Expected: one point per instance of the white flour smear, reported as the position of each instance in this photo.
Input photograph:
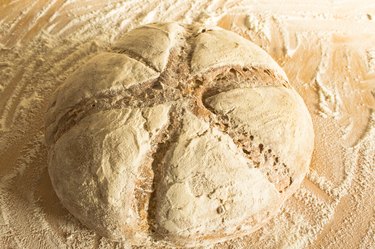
(326, 49)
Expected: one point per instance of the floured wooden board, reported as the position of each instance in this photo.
(326, 49)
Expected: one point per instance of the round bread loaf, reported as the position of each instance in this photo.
(179, 135)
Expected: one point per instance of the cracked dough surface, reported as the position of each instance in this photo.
(212, 161)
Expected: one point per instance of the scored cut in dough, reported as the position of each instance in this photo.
(180, 136)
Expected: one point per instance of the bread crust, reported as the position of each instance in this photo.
(181, 135)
